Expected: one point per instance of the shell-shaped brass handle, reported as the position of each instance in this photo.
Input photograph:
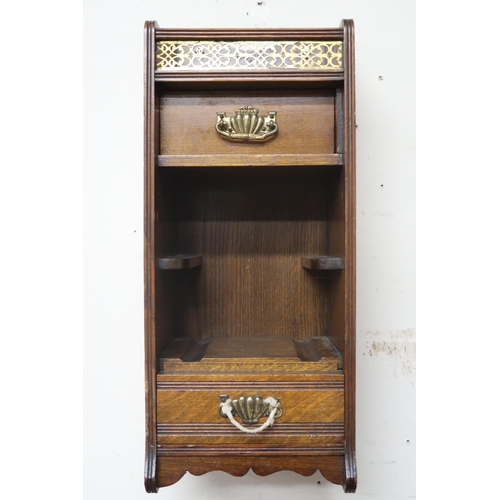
(251, 408)
(247, 125)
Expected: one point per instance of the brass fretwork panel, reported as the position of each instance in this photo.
(249, 55)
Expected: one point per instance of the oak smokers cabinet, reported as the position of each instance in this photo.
(250, 252)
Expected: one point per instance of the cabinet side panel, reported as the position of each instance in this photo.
(150, 141)
(166, 283)
(336, 242)
(350, 480)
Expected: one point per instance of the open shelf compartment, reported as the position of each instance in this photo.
(250, 248)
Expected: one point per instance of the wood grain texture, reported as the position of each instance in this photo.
(279, 374)
(264, 350)
(281, 438)
(249, 34)
(350, 478)
(255, 355)
(249, 160)
(184, 80)
(179, 262)
(336, 245)
(251, 226)
(305, 120)
(191, 399)
(150, 152)
(302, 403)
(211, 438)
(322, 263)
(172, 468)
(339, 119)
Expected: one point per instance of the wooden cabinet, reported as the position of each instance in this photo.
(249, 252)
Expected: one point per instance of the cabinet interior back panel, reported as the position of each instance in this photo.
(251, 229)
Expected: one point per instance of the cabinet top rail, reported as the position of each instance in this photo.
(249, 34)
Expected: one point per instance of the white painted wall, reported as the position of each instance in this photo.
(113, 343)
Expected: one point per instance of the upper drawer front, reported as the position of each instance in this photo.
(305, 119)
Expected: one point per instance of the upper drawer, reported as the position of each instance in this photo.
(305, 119)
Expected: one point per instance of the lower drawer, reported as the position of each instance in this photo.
(312, 414)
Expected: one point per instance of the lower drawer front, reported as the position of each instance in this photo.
(312, 415)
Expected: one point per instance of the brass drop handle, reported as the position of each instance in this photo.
(247, 125)
(250, 409)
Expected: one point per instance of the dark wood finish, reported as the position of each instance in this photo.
(250, 34)
(339, 122)
(305, 119)
(150, 151)
(322, 263)
(182, 80)
(172, 466)
(261, 300)
(350, 478)
(179, 262)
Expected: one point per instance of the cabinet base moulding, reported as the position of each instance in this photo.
(172, 469)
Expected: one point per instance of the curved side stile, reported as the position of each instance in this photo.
(150, 481)
(150, 470)
(350, 474)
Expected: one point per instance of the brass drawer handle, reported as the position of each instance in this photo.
(250, 409)
(247, 125)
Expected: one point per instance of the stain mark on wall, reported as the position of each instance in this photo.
(399, 347)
